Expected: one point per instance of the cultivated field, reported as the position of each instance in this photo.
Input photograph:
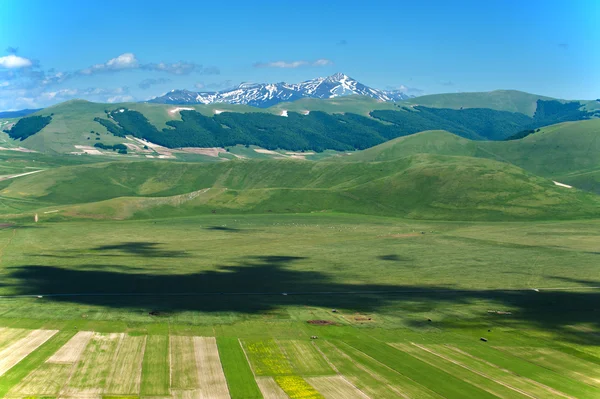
(225, 307)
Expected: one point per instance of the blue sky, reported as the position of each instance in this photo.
(51, 51)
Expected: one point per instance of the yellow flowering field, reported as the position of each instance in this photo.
(266, 358)
(296, 388)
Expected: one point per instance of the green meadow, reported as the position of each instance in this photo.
(411, 298)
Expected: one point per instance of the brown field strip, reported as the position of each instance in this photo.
(335, 388)
(212, 380)
(184, 371)
(270, 389)
(10, 335)
(46, 380)
(72, 350)
(92, 370)
(126, 372)
(17, 351)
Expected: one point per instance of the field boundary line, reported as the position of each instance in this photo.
(471, 370)
(247, 359)
(337, 371)
(375, 375)
(539, 384)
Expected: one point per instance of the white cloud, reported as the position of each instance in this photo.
(123, 61)
(322, 62)
(4, 84)
(293, 64)
(12, 61)
(50, 95)
(129, 61)
(119, 99)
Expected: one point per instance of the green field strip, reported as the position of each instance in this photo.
(126, 370)
(34, 360)
(436, 380)
(560, 362)
(579, 354)
(364, 378)
(297, 388)
(304, 358)
(184, 371)
(266, 358)
(531, 371)
(238, 373)
(474, 378)
(499, 374)
(156, 367)
(93, 368)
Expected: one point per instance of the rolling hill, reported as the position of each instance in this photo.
(343, 124)
(500, 100)
(568, 152)
(418, 186)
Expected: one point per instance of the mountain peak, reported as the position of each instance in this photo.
(338, 76)
(264, 95)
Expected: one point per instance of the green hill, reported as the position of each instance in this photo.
(568, 152)
(500, 100)
(419, 186)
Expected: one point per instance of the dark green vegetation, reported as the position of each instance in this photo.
(418, 186)
(121, 148)
(111, 127)
(319, 131)
(28, 126)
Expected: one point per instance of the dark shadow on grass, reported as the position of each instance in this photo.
(394, 258)
(224, 228)
(127, 249)
(11, 226)
(256, 285)
(140, 248)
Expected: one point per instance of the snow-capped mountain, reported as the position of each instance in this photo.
(267, 94)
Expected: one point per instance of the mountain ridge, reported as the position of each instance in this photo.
(263, 95)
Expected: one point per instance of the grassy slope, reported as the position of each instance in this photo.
(568, 152)
(501, 100)
(420, 186)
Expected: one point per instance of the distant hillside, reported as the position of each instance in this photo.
(500, 100)
(342, 124)
(568, 152)
(420, 186)
(17, 114)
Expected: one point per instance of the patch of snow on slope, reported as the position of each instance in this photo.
(562, 185)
